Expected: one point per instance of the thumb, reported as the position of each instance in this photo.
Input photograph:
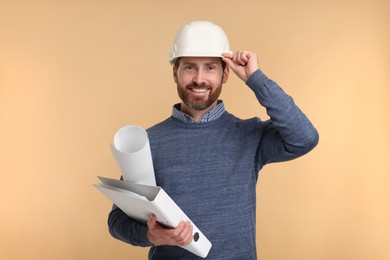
(237, 69)
(228, 61)
(152, 221)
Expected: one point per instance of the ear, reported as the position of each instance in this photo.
(174, 72)
(225, 75)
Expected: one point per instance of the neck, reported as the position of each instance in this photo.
(196, 114)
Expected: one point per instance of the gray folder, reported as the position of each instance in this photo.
(139, 201)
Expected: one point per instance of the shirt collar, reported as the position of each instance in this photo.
(213, 114)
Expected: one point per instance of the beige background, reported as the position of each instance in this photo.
(73, 72)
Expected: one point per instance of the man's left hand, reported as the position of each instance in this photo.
(243, 63)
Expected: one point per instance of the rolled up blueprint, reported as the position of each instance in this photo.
(131, 151)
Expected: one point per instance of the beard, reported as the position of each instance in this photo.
(195, 102)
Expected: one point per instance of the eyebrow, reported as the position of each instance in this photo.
(206, 64)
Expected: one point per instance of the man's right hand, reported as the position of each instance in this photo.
(159, 235)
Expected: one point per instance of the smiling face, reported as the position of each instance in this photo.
(199, 82)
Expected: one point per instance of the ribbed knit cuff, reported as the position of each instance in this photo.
(143, 239)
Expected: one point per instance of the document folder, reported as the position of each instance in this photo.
(139, 201)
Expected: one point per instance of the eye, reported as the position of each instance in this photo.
(189, 67)
(211, 67)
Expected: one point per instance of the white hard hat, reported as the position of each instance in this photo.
(199, 39)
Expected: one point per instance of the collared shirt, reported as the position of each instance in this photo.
(213, 114)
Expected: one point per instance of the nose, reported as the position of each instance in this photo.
(199, 77)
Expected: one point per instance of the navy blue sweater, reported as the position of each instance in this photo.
(211, 169)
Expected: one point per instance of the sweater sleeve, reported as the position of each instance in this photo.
(289, 134)
(126, 229)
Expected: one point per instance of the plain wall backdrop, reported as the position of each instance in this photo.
(73, 72)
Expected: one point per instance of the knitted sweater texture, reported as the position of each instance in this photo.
(211, 169)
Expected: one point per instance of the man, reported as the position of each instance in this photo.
(208, 160)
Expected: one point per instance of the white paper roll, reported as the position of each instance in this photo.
(131, 151)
